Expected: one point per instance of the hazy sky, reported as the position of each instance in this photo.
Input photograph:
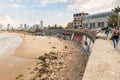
(50, 11)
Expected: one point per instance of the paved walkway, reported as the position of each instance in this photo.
(104, 61)
(104, 36)
(118, 48)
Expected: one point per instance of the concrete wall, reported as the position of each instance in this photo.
(103, 63)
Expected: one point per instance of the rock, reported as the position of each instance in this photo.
(42, 58)
(19, 76)
(31, 72)
(44, 77)
(36, 69)
(44, 65)
(61, 63)
(52, 52)
(54, 47)
(46, 55)
(53, 57)
(66, 47)
(47, 61)
(38, 78)
(42, 71)
(49, 72)
(55, 66)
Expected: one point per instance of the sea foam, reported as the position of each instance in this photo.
(8, 43)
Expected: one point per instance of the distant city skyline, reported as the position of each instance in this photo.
(52, 12)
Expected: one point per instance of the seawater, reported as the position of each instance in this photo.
(8, 43)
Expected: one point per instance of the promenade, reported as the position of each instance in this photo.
(102, 35)
(104, 61)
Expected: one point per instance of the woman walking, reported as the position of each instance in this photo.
(115, 35)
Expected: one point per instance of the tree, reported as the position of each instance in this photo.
(117, 10)
(112, 20)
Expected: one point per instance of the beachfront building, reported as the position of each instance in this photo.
(98, 20)
(78, 18)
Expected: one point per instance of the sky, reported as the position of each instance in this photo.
(60, 12)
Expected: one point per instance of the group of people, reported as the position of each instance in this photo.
(115, 34)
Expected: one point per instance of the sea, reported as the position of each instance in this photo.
(8, 43)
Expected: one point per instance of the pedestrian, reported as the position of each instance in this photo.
(115, 35)
(107, 31)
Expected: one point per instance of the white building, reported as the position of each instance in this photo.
(78, 18)
(98, 20)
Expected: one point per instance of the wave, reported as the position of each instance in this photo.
(8, 43)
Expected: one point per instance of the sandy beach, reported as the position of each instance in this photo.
(20, 65)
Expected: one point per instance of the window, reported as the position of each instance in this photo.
(100, 24)
(86, 25)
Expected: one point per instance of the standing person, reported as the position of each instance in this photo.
(107, 31)
(115, 35)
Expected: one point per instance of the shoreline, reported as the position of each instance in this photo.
(27, 54)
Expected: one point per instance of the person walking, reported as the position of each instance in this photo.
(107, 31)
(115, 35)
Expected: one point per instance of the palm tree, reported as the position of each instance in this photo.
(117, 10)
(112, 20)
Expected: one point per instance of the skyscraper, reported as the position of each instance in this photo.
(41, 23)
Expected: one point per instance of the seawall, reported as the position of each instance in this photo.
(83, 38)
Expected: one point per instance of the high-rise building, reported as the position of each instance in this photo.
(36, 26)
(41, 23)
(25, 26)
(0, 26)
(21, 25)
(8, 26)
